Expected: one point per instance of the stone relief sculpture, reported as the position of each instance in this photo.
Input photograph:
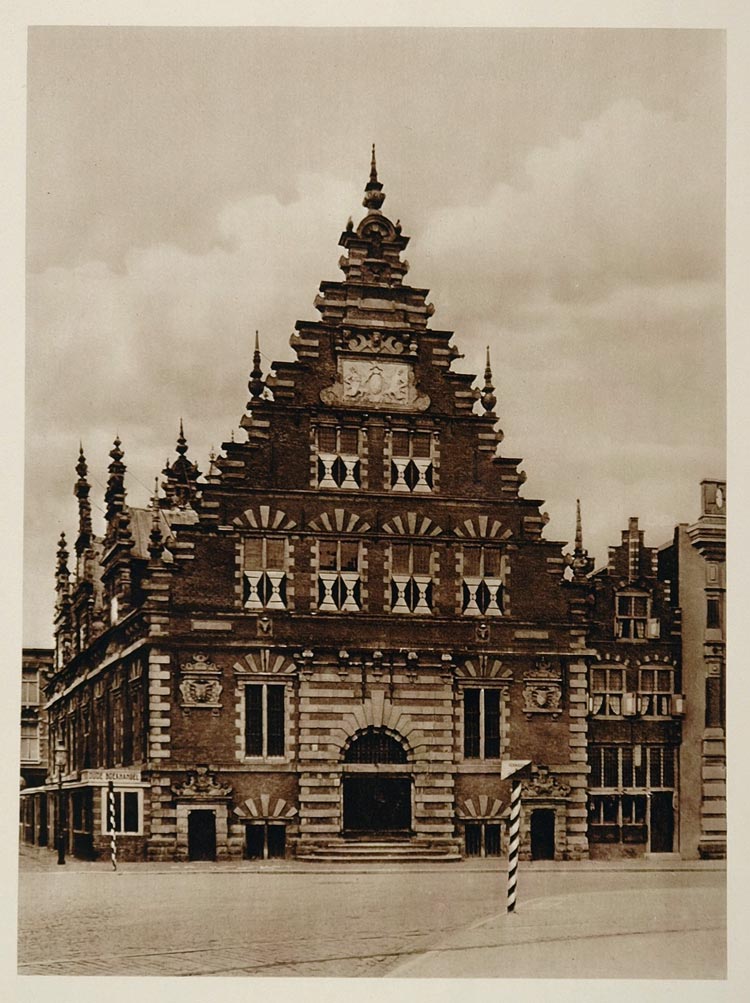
(380, 382)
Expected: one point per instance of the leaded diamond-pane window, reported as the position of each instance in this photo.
(338, 458)
(339, 581)
(264, 573)
(412, 461)
(411, 578)
(483, 581)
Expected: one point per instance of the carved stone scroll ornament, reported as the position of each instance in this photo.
(201, 783)
(378, 343)
(542, 690)
(542, 785)
(200, 685)
(378, 382)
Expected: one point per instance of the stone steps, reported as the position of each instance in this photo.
(378, 850)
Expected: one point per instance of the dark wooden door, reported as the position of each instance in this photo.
(202, 834)
(377, 803)
(543, 834)
(662, 822)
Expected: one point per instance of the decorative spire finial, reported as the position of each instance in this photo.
(374, 195)
(182, 447)
(115, 493)
(62, 574)
(256, 384)
(181, 476)
(155, 542)
(81, 491)
(489, 400)
(581, 564)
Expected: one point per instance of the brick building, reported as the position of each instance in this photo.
(326, 645)
(636, 703)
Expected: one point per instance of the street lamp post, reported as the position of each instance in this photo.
(60, 763)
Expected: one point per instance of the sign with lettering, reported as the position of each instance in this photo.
(510, 766)
(107, 775)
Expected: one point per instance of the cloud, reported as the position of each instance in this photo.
(596, 276)
(633, 198)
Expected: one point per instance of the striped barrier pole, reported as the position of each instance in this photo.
(113, 836)
(513, 843)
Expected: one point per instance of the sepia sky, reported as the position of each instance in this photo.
(563, 189)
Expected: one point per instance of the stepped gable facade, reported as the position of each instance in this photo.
(636, 702)
(336, 635)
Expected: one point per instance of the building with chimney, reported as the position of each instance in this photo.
(327, 646)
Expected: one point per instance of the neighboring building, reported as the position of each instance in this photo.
(695, 563)
(326, 646)
(636, 705)
(36, 668)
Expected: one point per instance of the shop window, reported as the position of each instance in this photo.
(607, 689)
(645, 767)
(339, 581)
(632, 621)
(411, 578)
(128, 812)
(264, 720)
(655, 691)
(412, 461)
(481, 723)
(338, 458)
(264, 573)
(483, 581)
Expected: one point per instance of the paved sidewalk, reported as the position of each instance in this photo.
(35, 858)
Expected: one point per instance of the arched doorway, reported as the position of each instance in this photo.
(377, 785)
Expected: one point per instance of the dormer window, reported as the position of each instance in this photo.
(412, 461)
(632, 622)
(339, 466)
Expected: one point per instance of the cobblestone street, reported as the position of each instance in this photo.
(289, 921)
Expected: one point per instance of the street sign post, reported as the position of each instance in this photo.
(516, 769)
(112, 827)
